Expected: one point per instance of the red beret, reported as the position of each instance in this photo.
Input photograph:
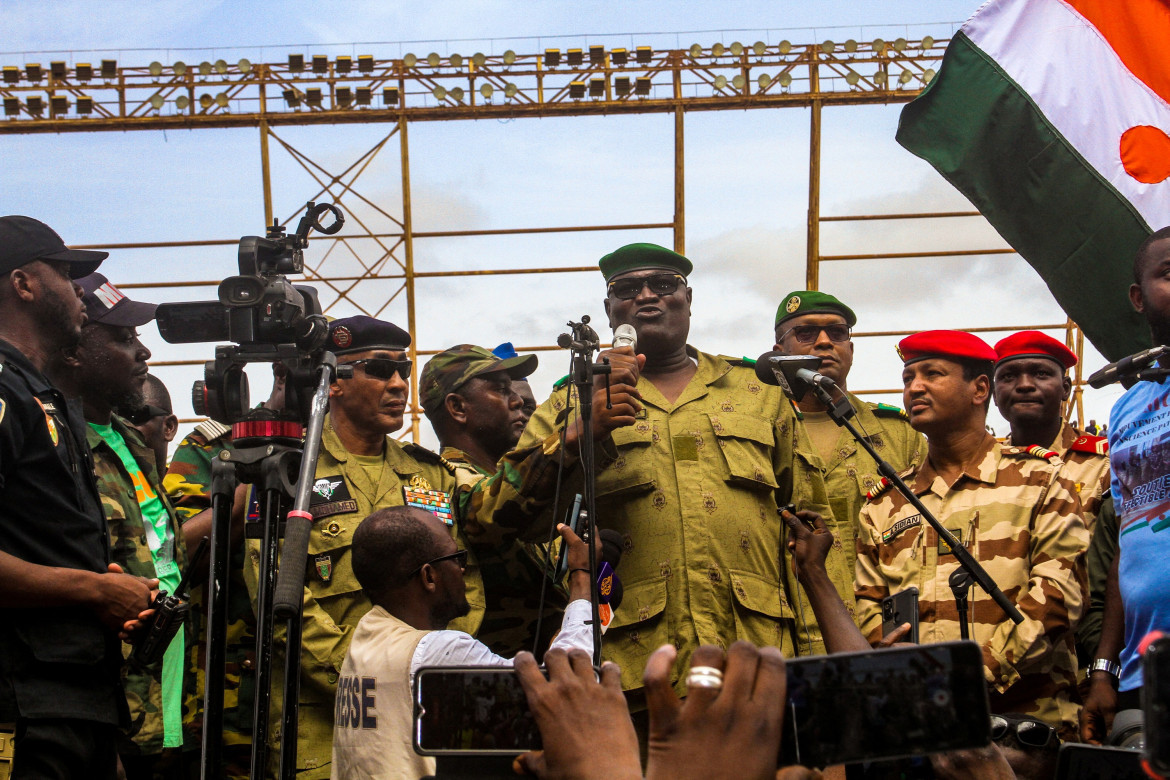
(949, 344)
(1033, 343)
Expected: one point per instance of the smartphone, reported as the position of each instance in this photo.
(1156, 703)
(902, 607)
(1094, 762)
(901, 702)
(573, 520)
(472, 710)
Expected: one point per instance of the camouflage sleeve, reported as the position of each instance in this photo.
(1053, 598)
(507, 505)
(188, 478)
(870, 586)
(1099, 559)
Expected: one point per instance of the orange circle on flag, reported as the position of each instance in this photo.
(1145, 154)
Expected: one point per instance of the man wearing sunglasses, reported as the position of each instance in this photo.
(693, 486)
(809, 322)
(154, 419)
(361, 469)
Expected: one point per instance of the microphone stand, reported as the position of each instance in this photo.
(583, 342)
(840, 411)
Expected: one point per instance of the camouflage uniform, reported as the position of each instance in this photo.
(188, 483)
(849, 475)
(693, 488)
(512, 581)
(1086, 466)
(129, 549)
(1021, 519)
(491, 512)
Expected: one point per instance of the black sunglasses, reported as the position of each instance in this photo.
(145, 414)
(807, 334)
(1028, 732)
(459, 556)
(659, 284)
(383, 368)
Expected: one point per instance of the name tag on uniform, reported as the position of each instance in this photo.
(944, 548)
(436, 502)
(898, 528)
(330, 496)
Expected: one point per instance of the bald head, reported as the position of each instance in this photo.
(391, 544)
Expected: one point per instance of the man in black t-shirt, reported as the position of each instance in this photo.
(62, 604)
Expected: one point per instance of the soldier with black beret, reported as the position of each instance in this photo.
(810, 322)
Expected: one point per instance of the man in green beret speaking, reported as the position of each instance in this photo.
(693, 486)
(810, 322)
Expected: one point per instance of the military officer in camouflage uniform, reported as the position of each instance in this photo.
(693, 485)
(809, 322)
(106, 371)
(1009, 506)
(361, 469)
(471, 398)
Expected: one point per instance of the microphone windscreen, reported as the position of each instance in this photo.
(764, 370)
(624, 335)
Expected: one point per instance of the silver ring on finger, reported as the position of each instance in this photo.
(704, 677)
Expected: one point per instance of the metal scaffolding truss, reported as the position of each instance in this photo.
(592, 80)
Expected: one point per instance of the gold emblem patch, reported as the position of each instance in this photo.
(793, 304)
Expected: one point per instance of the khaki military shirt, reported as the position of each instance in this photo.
(1086, 466)
(849, 474)
(491, 511)
(692, 486)
(1020, 519)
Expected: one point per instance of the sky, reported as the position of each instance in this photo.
(746, 178)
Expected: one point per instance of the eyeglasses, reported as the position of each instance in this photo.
(459, 556)
(807, 334)
(145, 414)
(1028, 732)
(659, 284)
(383, 368)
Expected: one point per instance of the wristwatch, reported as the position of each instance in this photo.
(1107, 666)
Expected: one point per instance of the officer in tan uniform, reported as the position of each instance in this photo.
(361, 469)
(1009, 506)
(693, 485)
(809, 322)
(1030, 384)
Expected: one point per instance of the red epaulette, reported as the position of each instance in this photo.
(1094, 445)
(1037, 451)
(881, 487)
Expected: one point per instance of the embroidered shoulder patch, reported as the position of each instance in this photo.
(1094, 445)
(890, 411)
(900, 527)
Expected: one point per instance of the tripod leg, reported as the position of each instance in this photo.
(222, 486)
(270, 512)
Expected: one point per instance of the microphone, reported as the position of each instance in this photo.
(794, 374)
(625, 336)
(609, 587)
(1126, 368)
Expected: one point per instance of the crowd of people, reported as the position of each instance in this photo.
(753, 528)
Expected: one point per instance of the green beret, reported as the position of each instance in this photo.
(813, 302)
(635, 257)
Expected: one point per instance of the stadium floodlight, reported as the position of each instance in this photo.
(390, 96)
(109, 69)
(552, 58)
(736, 48)
(58, 69)
(717, 50)
(205, 68)
(33, 72)
(905, 77)
(181, 103)
(296, 63)
(479, 59)
(739, 81)
(364, 96)
(928, 75)
(850, 46)
(157, 101)
(828, 47)
(597, 55)
(696, 50)
(457, 94)
(343, 97)
(785, 46)
(156, 68)
(84, 105)
(643, 54)
(642, 86)
(764, 80)
(440, 92)
(59, 104)
(574, 57)
(509, 57)
(759, 48)
(36, 105)
(619, 56)
(84, 71)
(720, 81)
(576, 89)
(365, 63)
(622, 85)
(222, 99)
(410, 60)
(900, 45)
(456, 60)
(852, 77)
(244, 65)
(292, 98)
(927, 42)
(320, 63)
(179, 68)
(878, 46)
(597, 87)
(486, 90)
(344, 64)
(221, 67)
(785, 79)
(313, 97)
(879, 78)
(11, 106)
(433, 59)
(511, 90)
(11, 74)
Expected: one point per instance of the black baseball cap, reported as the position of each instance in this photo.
(24, 239)
(108, 305)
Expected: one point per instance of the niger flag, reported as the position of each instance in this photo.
(1052, 116)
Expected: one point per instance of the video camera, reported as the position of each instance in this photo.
(270, 320)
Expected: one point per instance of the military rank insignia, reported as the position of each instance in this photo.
(323, 566)
(436, 502)
(944, 548)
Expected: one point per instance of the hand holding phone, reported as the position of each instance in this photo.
(899, 609)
